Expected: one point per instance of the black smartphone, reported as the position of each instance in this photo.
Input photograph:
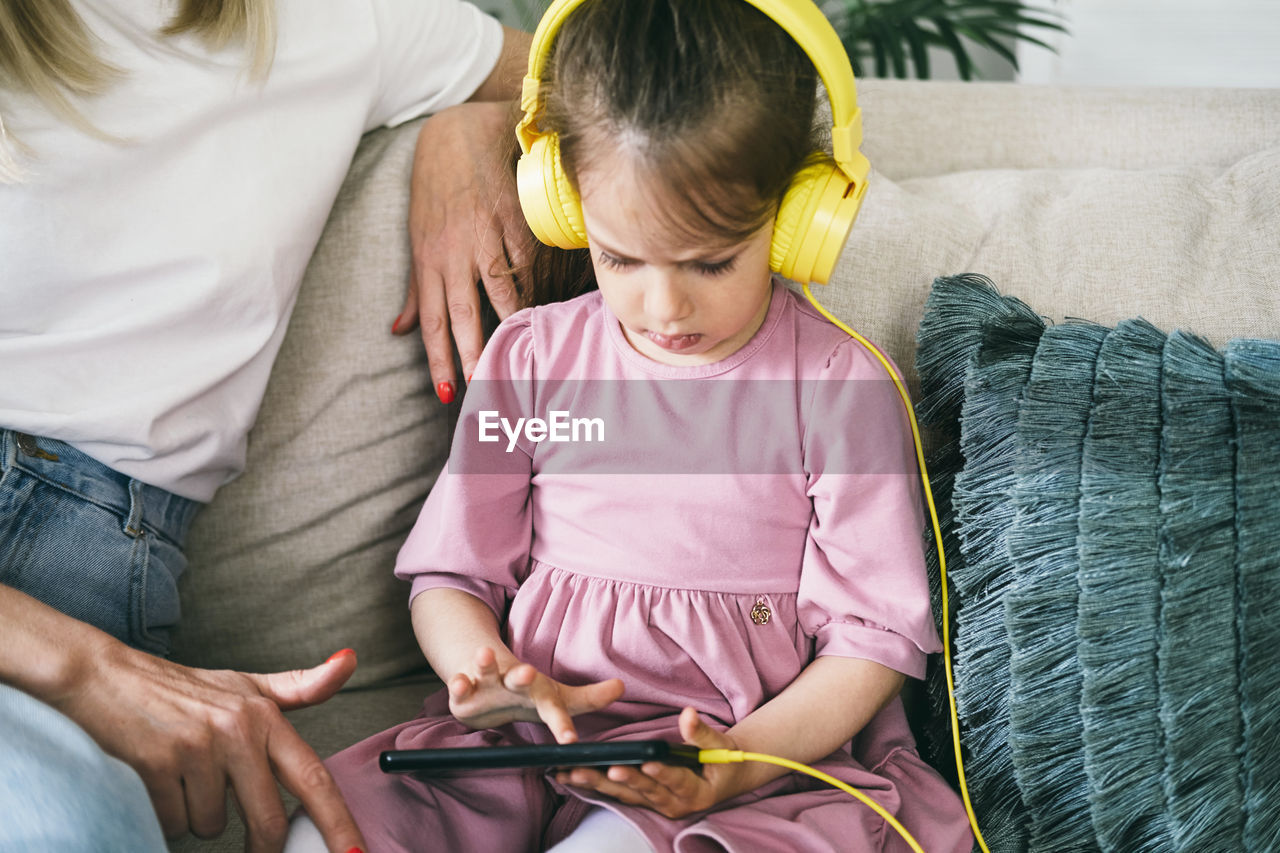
(435, 761)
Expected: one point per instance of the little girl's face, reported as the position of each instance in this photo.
(693, 303)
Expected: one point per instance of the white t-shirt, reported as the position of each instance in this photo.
(145, 285)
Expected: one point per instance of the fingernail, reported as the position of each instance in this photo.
(355, 850)
(445, 392)
(469, 375)
(337, 655)
(395, 327)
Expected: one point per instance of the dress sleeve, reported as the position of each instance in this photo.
(475, 529)
(864, 589)
(432, 54)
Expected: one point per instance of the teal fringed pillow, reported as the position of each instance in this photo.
(1045, 727)
(1110, 502)
(973, 370)
(1118, 613)
(1200, 719)
(1253, 379)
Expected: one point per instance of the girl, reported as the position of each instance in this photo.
(729, 553)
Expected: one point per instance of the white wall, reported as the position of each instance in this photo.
(1160, 43)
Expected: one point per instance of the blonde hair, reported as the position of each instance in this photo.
(46, 51)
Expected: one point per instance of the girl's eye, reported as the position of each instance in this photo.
(615, 263)
(702, 268)
(718, 268)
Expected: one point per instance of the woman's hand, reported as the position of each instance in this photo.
(487, 695)
(465, 226)
(674, 792)
(192, 734)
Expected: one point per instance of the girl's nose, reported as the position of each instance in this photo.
(665, 299)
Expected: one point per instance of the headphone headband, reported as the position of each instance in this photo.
(802, 20)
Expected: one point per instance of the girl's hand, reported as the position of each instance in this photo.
(486, 695)
(673, 792)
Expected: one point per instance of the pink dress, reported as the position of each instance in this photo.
(722, 526)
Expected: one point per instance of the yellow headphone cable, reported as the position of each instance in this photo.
(732, 756)
(942, 571)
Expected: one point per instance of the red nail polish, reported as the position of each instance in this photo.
(395, 327)
(337, 655)
(445, 392)
(469, 375)
(355, 850)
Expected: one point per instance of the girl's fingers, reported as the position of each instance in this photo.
(632, 778)
(520, 677)
(552, 712)
(660, 783)
(460, 687)
(627, 785)
(548, 704)
(585, 777)
(522, 689)
(697, 733)
(593, 697)
(679, 780)
(486, 662)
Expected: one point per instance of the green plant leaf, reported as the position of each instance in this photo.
(918, 41)
(893, 44)
(983, 37)
(991, 21)
(880, 53)
(893, 31)
(946, 32)
(1022, 36)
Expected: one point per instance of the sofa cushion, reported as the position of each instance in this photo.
(1192, 246)
(1113, 524)
(919, 129)
(292, 561)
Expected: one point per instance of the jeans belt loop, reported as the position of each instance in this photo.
(134, 525)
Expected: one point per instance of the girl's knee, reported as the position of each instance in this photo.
(304, 836)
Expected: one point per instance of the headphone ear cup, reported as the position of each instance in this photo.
(549, 202)
(813, 221)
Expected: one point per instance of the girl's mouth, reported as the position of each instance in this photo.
(674, 343)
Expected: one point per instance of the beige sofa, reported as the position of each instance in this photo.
(1102, 204)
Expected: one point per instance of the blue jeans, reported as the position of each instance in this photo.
(60, 793)
(91, 542)
(106, 549)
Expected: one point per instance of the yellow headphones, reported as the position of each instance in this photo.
(819, 207)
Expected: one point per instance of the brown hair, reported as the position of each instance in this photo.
(714, 99)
